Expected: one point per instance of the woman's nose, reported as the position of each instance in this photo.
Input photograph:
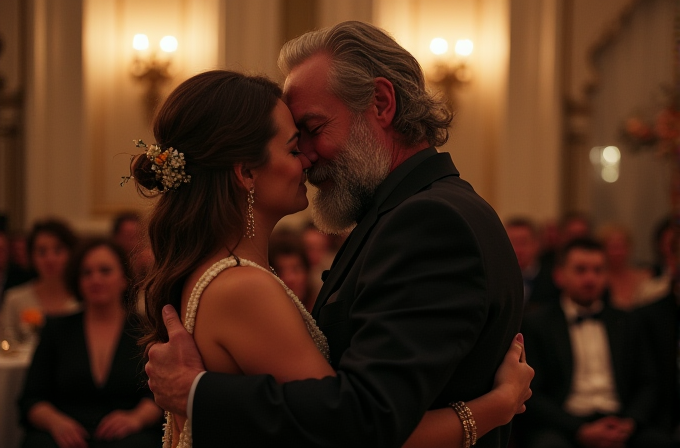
(305, 161)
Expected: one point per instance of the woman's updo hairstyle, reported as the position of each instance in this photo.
(217, 119)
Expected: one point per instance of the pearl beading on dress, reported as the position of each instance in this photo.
(185, 440)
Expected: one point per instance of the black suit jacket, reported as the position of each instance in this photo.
(420, 306)
(660, 322)
(548, 346)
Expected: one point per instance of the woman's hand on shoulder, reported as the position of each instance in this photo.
(513, 378)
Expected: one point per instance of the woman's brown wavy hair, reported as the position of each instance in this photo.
(217, 119)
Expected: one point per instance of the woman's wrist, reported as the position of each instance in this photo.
(504, 401)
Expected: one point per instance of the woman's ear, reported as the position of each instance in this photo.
(244, 176)
(385, 101)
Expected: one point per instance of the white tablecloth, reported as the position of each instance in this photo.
(13, 367)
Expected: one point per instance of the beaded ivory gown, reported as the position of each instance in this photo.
(185, 440)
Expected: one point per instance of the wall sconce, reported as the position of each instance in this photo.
(152, 69)
(447, 75)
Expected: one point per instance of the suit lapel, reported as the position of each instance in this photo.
(409, 181)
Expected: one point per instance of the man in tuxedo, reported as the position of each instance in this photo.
(595, 382)
(422, 300)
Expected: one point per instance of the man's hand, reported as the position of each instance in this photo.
(607, 432)
(173, 366)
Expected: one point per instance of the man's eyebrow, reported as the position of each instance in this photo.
(308, 116)
(296, 135)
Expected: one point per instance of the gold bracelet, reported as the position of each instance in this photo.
(468, 422)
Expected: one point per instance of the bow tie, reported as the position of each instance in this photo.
(586, 316)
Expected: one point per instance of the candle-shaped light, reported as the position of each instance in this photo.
(439, 46)
(169, 44)
(464, 47)
(140, 42)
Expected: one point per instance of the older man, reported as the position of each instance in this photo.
(423, 298)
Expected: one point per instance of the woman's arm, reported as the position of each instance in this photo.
(443, 427)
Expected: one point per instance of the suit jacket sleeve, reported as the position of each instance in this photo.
(420, 305)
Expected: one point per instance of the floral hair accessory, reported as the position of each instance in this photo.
(168, 166)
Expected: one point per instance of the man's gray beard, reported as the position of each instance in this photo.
(355, 173)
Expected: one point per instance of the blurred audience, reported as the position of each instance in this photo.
(288, 258)
(128, 232)
(320, 252)
(10, 274)
(85, 387)
(594, 384)
(624, 279)
(539, 287)
(18, 251)
(549, 236)
(572, 225)
(50, 244)
(664, 243)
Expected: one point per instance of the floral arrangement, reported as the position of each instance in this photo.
(167, 164)
(661, 132)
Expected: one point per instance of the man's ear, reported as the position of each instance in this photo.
(244, 176)
(385, 101)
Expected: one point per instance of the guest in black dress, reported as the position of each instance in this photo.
(85, 387)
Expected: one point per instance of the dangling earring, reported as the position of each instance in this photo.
(250, 218)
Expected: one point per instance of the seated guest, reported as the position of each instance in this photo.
(572, 225)
(320, 253)
(539, 287)
(85, 387)
(128, 233)
(594, 383)
(11, 274)
(50, 245)
(18, 251)
(624, 279)
(288, 258)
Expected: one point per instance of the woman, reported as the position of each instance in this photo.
(210, 229)
(50, 245)
(84, 388)
(625, 280)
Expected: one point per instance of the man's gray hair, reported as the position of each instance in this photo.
(361, 52)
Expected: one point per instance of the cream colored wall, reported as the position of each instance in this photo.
(506, 136)
(83, 108)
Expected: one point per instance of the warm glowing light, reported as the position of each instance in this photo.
(611, 155)
(610, 174)
(596, 155)
(140, 42)
(439, 45)
(5, 345)
(169, 44)
(464, 47)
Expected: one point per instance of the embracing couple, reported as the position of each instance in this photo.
(416, 342)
